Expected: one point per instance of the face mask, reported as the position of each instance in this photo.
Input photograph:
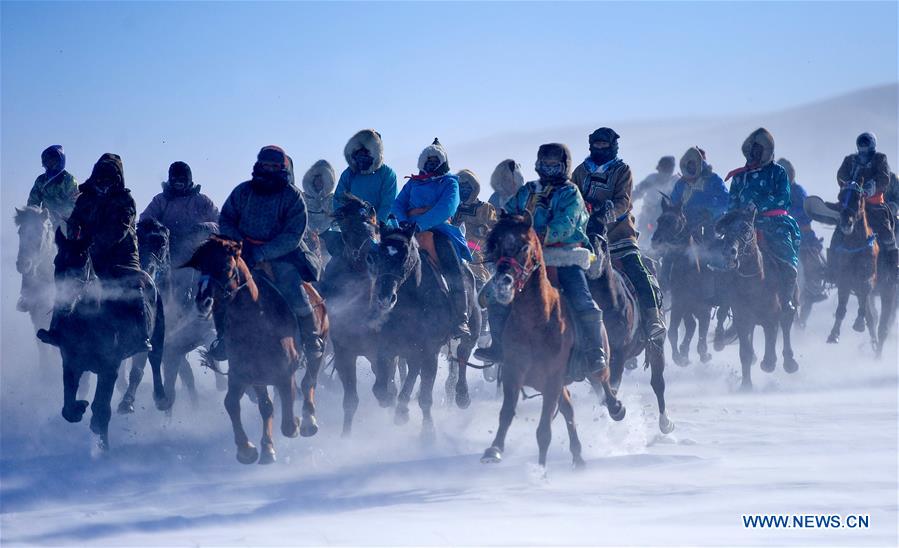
(431, 164)
(603, 155)
(865, 151)
(550, 169)
(465, 192)
(363, 159)
(179, 183)
(755, 153)
(317, 183)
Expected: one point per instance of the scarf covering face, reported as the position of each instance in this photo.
(267, 181)
(53, 152)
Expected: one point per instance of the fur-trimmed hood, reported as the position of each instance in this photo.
(694, 155)
(434, 149)
(329, 178)
(371, 141)
(763, 137)
(507, 178)
(468, 176)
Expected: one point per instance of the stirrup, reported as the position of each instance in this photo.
(491, 354)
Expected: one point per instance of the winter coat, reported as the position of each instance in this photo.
(180, 212)
(611, 181)
(57, 193)
(107, 221)
(319, 203)
(854, 169)
(797, 206)
(704, 199)
(477, 218)
(505, 182)
(440, 195)
(376, 185)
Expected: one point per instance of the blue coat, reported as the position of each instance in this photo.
(378, 189)
(441, 195)
(559, 213)
(797, 205)
(705, 199)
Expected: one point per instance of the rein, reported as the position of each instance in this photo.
(227, 293)
(520, 275)
(869, 243)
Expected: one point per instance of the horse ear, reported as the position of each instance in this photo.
(666, 201)
(409, 229)
(19, 211)
(45, 213)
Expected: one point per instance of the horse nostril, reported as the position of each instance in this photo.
(505, 279)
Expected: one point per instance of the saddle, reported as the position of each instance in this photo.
(428, 253)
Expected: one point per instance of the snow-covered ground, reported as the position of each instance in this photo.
(821, 441)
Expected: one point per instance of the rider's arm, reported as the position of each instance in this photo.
(844, 174)
(882, 173)
(154, 210)
(387, 192)
(290, 237)
(443, 209)
(718, 192)
(35, 197)
(622, 193)
(564, 217)
(113, 230)
(229, 218)
(401, 204)
(339, 192)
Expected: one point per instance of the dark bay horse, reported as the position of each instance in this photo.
(538, 339)
(34, 262)
(854, 262)
(88, 330)
(621, 315)
(260, 343)
(411, 308)
(750, 276)
(690, 282)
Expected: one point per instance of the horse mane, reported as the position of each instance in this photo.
(27, 212)
(216, 245)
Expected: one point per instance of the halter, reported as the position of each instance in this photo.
(520, 275)
(227, 293)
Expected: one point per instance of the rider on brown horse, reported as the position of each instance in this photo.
(268, 215)
(560, 220)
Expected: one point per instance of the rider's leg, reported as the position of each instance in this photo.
(496, 316)
(452, 268)
(574, 283)
(639, 275)
(133, 318)
(290, 284)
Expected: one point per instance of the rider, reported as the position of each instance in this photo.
(367, 176)
(766, 185)
(649, 189)
(605, 182)
(318, 192)
(268, 215)
(477, 218)
(700, 191)
(870, 169)
(180, 207)
(430, 200)
(56, 189)
(811, 257)
(560, 220)
(104, 219)
(505, 182)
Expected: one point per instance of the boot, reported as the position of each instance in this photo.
(459, 311)
(313, 345)
(217, 350)
(52, 335)
(591, 330)
(135, 339)
(653, 324)
(497, 316)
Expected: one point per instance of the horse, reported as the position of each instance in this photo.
(411, 308)
(34, 262)
(854, 263)
(89, 333)
(260, 343)
(689, 282)
(751, 278)
(621, 317)
(538, 339)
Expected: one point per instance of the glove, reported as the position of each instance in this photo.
(608, 215)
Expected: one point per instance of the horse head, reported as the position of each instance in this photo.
(220, 266)
(358, 223)
(515, 249)
(852, 208)
(153, 247)
(35, 238)
(671, 224)
(391, 264)
(736, 237)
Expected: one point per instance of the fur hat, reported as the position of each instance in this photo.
(468, 177)
(764, 138)
(556, 151)
(324, 169)
(507, 175)
(434, 149)
(370, 140)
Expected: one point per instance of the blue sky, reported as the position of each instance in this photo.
(210, 83)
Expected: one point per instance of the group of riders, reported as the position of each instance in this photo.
(288, 234)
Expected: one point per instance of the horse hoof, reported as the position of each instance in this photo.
(833, 339)
(291, 429)
(125, 407)
(309, 427)
(859, 325)
(631, 364)
(428, 434)
(247, 454)
(616, 410)
(492, 456)
(402, 415)
(578, 463)
(681, 360)
(101, 444)
(267, 456)
(666, 425)
(385, 397)
(768, 366)
(705, 357)
(746, 386)
(163, 403)
(791, 365)
(463, 399)
(76, 412)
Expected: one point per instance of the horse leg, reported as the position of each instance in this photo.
(862, 296)
(887, 313)
(747, 356)
(170, 367)
(402, 400)
(463, 354)
(384, 388)
(345, 363)
(101, 408)
(186, 374)
(452, 378)
(842, 301)
(656, 359)
(287, 393)
(616, 371)
(122, 380)
(786, 328)
(84, 386)
(769, 361)
(673, 329)
(246, 451)
(426, 395)
(267, 410)
(72, 408)
(551, 395)
(309, 425)
(574, 442)
(689, 330)
(135, 375)
(511, 384)
(702, 347)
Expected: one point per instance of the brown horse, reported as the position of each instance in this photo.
(260, 343)
(854, 262)
(538, 339)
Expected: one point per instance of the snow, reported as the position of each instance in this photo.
(821, 441)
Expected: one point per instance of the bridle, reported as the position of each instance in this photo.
(520, 274)
(233, 277)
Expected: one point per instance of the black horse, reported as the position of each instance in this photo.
(621, 315)
(89, 333)
(412, 311)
